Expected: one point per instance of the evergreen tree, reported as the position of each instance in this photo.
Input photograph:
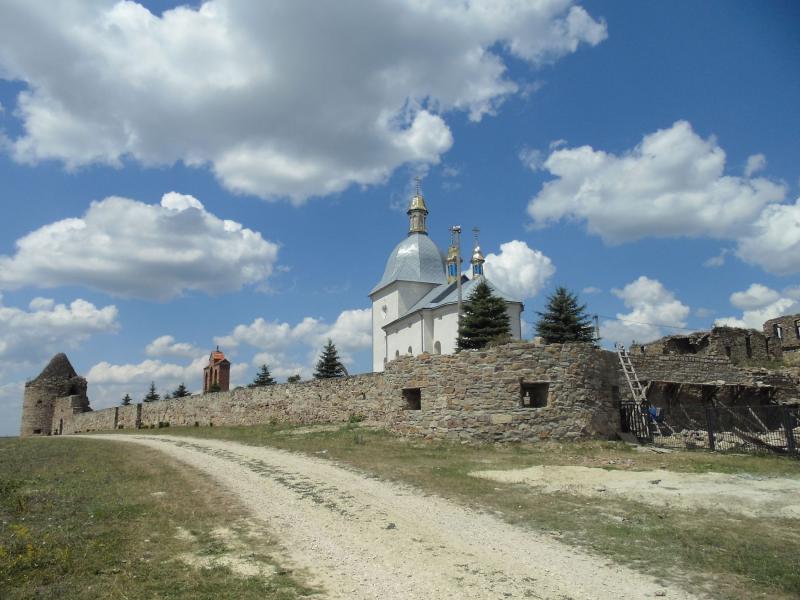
(126, 400)
(214, 388)
(564, 320)
(180, 392)
(484, 319)
(293, 379)
(329, 365)
(263, 378)
(152, 396)
(167, 396)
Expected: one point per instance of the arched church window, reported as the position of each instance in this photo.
(437, 348)
(410, 351)
(397, 353)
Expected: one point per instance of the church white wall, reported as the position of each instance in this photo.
(445, 328)
(409, 335)
(385, 309)
(411, 292)
(387, 305)
(422, 331)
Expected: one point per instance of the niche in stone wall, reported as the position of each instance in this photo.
(533, 394)
(413, 398)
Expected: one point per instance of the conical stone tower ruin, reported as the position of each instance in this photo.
(57, 380)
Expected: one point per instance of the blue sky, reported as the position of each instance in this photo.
(643, 154)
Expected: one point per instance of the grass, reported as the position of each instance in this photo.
(96, 519)
(727, 556)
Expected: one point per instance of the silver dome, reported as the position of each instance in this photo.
(416, 258)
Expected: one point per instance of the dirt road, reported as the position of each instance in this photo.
(360, 537)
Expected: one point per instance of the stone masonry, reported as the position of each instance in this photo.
(515, 392)
(57, 380)
(785, 333)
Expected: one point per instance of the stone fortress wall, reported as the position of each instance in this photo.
(473, 395)
(516, 392)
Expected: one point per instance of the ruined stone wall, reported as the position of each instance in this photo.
(789, 341)
(687, 369)
(57, 380)
(473, 395)
(65, 408)
(738, 345)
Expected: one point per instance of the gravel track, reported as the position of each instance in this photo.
(360, 537)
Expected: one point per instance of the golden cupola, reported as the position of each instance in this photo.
(417, 213)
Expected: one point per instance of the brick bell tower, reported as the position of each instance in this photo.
(218, 372)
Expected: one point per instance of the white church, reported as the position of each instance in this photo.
(415, 304)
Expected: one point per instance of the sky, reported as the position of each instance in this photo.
(179, 176)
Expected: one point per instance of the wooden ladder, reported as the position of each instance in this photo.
(637, 391)
(643, 426)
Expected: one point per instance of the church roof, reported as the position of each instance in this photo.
(447, 293)
(416, 258)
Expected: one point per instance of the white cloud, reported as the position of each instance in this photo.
(792, 292)
(108, 383)
(756, 296)
(292, 99)
(773, 243)
(131, 249)
(531, 158)
(652, 306)
(11, 407)
(518, 269)
(758, 304)
(755, 163)
(717, 260)
(294, 347)
(167, 346)
(591, 290)
(29, 338)
(34, 335)
(671, 184)
(703, 313)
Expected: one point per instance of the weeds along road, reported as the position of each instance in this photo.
(360, 537)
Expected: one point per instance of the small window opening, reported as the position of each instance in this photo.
(413, 398)
(533, 395)
(437, 348)
(728, 351)
(397, 353)
(37, 431)
(410, 351)
(748, 347)
(797, 328)
(778, 331)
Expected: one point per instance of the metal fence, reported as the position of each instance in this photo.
(762, 428)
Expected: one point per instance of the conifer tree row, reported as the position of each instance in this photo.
(484, 320)
(329, 365)
(263, 378)
(564, 320)
(152, 395)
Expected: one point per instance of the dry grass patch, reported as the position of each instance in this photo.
(95, 519)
